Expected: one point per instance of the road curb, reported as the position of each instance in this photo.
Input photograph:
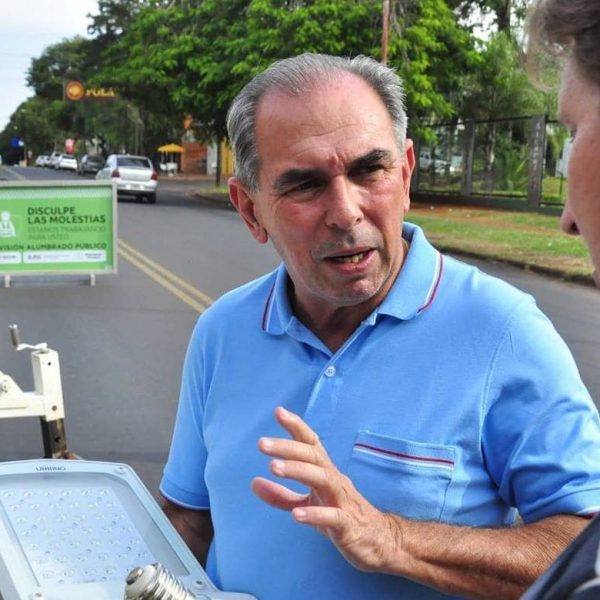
(221, 198)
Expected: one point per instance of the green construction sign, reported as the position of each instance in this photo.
(63, 227)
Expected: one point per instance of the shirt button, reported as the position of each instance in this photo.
(330, 371)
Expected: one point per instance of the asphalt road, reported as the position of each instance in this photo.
(122, 342)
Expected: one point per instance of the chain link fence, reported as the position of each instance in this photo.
(514, 163)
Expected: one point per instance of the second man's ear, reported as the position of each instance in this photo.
(246, 207)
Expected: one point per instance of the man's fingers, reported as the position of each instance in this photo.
(277, 495)
(321, 517)
(291, 450)
(311, 476)
(296, 427)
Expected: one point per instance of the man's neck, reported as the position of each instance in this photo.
(335, 327)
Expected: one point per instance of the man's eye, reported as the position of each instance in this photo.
(302, 188)
(366, 170)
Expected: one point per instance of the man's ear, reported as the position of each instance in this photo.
(408, 165)
(245, 206)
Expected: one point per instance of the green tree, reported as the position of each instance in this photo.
(33, 122)
(499, 89)
(170, 58)
(141, 63)
(58, 64)
(432, 53)
(194, 56)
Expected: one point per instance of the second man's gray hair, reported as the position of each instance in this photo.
(298, 75)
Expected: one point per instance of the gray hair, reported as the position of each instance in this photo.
(298, 75)
(565, 27)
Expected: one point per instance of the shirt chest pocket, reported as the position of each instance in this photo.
(407, 478)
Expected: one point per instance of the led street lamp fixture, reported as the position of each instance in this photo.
(73, 529)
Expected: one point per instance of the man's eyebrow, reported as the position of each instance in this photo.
(293, 177)
(370, 158)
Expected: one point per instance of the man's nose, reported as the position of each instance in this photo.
(343, 204)
(567, 220)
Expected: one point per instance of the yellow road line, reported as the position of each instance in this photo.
(195, 298)
(180, 282)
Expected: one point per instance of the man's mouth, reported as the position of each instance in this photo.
(350, 258)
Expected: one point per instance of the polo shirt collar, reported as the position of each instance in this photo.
(414, 290)
(416, 286)
(278, 316)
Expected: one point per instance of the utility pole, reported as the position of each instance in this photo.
(384, 31)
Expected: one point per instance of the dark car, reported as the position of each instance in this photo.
(90, 163)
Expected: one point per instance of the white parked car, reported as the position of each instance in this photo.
(67, 162)
(53, 160)
(427, 162)
(134, 176)
(41, 160)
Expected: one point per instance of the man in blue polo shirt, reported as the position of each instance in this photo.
(406, 407)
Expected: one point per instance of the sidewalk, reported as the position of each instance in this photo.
(530, 241)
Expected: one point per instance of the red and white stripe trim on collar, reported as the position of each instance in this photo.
(437, 277)
(268, 306)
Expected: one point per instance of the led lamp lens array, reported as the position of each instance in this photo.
(75, 529)
(74, 534)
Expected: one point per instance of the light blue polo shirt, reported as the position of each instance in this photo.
(454, 401)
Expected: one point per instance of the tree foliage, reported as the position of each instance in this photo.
(432, 53)
(199, 54)
(59, 63)
(499, 87)
(171, 58)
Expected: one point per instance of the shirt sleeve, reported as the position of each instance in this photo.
(183, 476)
(541, 434)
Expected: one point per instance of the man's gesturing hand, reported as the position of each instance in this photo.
(363, 534)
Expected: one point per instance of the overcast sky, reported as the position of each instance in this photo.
(27, 27)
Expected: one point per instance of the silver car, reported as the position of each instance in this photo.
(134, 176)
